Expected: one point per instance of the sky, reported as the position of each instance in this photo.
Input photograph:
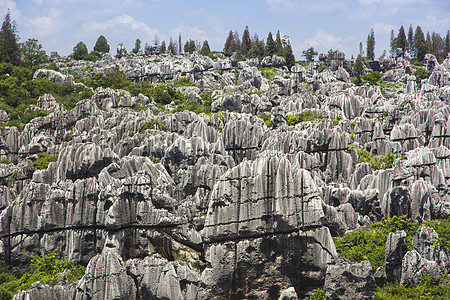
(323, 24)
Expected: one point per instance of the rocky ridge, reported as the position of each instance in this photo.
(221, 205)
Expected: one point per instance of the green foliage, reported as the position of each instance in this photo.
(307, 115)
(79, 51)
(184, 82)
(420, 74)
(427, 288)
(49, 269)
(5, 161)
(32, 52)
(139, 107)
(377, 162)
(318, 295)
(19, 91)
(309, 54)
(370, 245)
(266, 119)
(336, 121)
(442, 228)
(154, 160)
(9, 46)
(206, 51)
(373, 78)
(321, 68)
(44, 159)
(358, 70)
(101, 45)
(153, 124)
(268, 73)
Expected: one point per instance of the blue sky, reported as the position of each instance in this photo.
(323, 24)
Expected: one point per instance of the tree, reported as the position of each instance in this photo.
(278, 44)
(358, 69)
(447, 44)
(437, 46)
(101, 45)
(401, 40)
(309, 54)
(393, 44)
(163, 49)
(237, 40)
(361, 49)
(246, 42)
(271, 47)
(172, 48)
(32, 52)
(410, 45)
(137, 46)
(156, 40)
(419, 43)
(80, 51)
(370, 45)
(428, 42)
(9, 47)
(287, 54)
(205, 49)
(258, 48)
(190, 46)
(230, 44)
(179, 44)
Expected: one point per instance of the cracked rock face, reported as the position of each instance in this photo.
(239, 203)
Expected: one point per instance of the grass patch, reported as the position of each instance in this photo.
(305, 116)
(139, 107)
(269, 73)
(184, 82)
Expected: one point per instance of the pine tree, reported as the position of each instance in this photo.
(411, 47)
(205, 48)
(361, 49)
(172, 48)
(246, 42)
(419, 43)
(237, 41)
(358, 69)
(278, 45)
(190, 46)
(179, 44)
(258, 48)
(163, 49)
(230, 44)
(437, 46)
(428, 42)
(393, 45)
(447, 44)
(9, 46)
(309, 54)
(401, 40)
(370, 45)
(101, 45)
(287, 54)
(137, 46)
(270, 45)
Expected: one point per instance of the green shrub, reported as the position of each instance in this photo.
(48, 269)
(154, 160)
(307, 115)
(321, 69)
(266, 119)
(5, 161)
(44, 159)
(153, 124)
(427, 288)
(184, 82)
(373, 78)
(442, 228)
(420, 74)
(370, 245)
(385, 161)
(318, 295)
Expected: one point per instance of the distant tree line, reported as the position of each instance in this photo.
(415, 44)
(255, 48)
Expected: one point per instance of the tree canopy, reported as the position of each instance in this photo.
(309, 54)
(80, 51)
(9, 46)
(101, 45)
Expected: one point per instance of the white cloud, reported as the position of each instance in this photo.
(120, 22)
(38, 2)
(381, 28)
(188, 32)
(46, 25)
(280, 4)
(369, 2)
(323, 41)
(11, 5)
